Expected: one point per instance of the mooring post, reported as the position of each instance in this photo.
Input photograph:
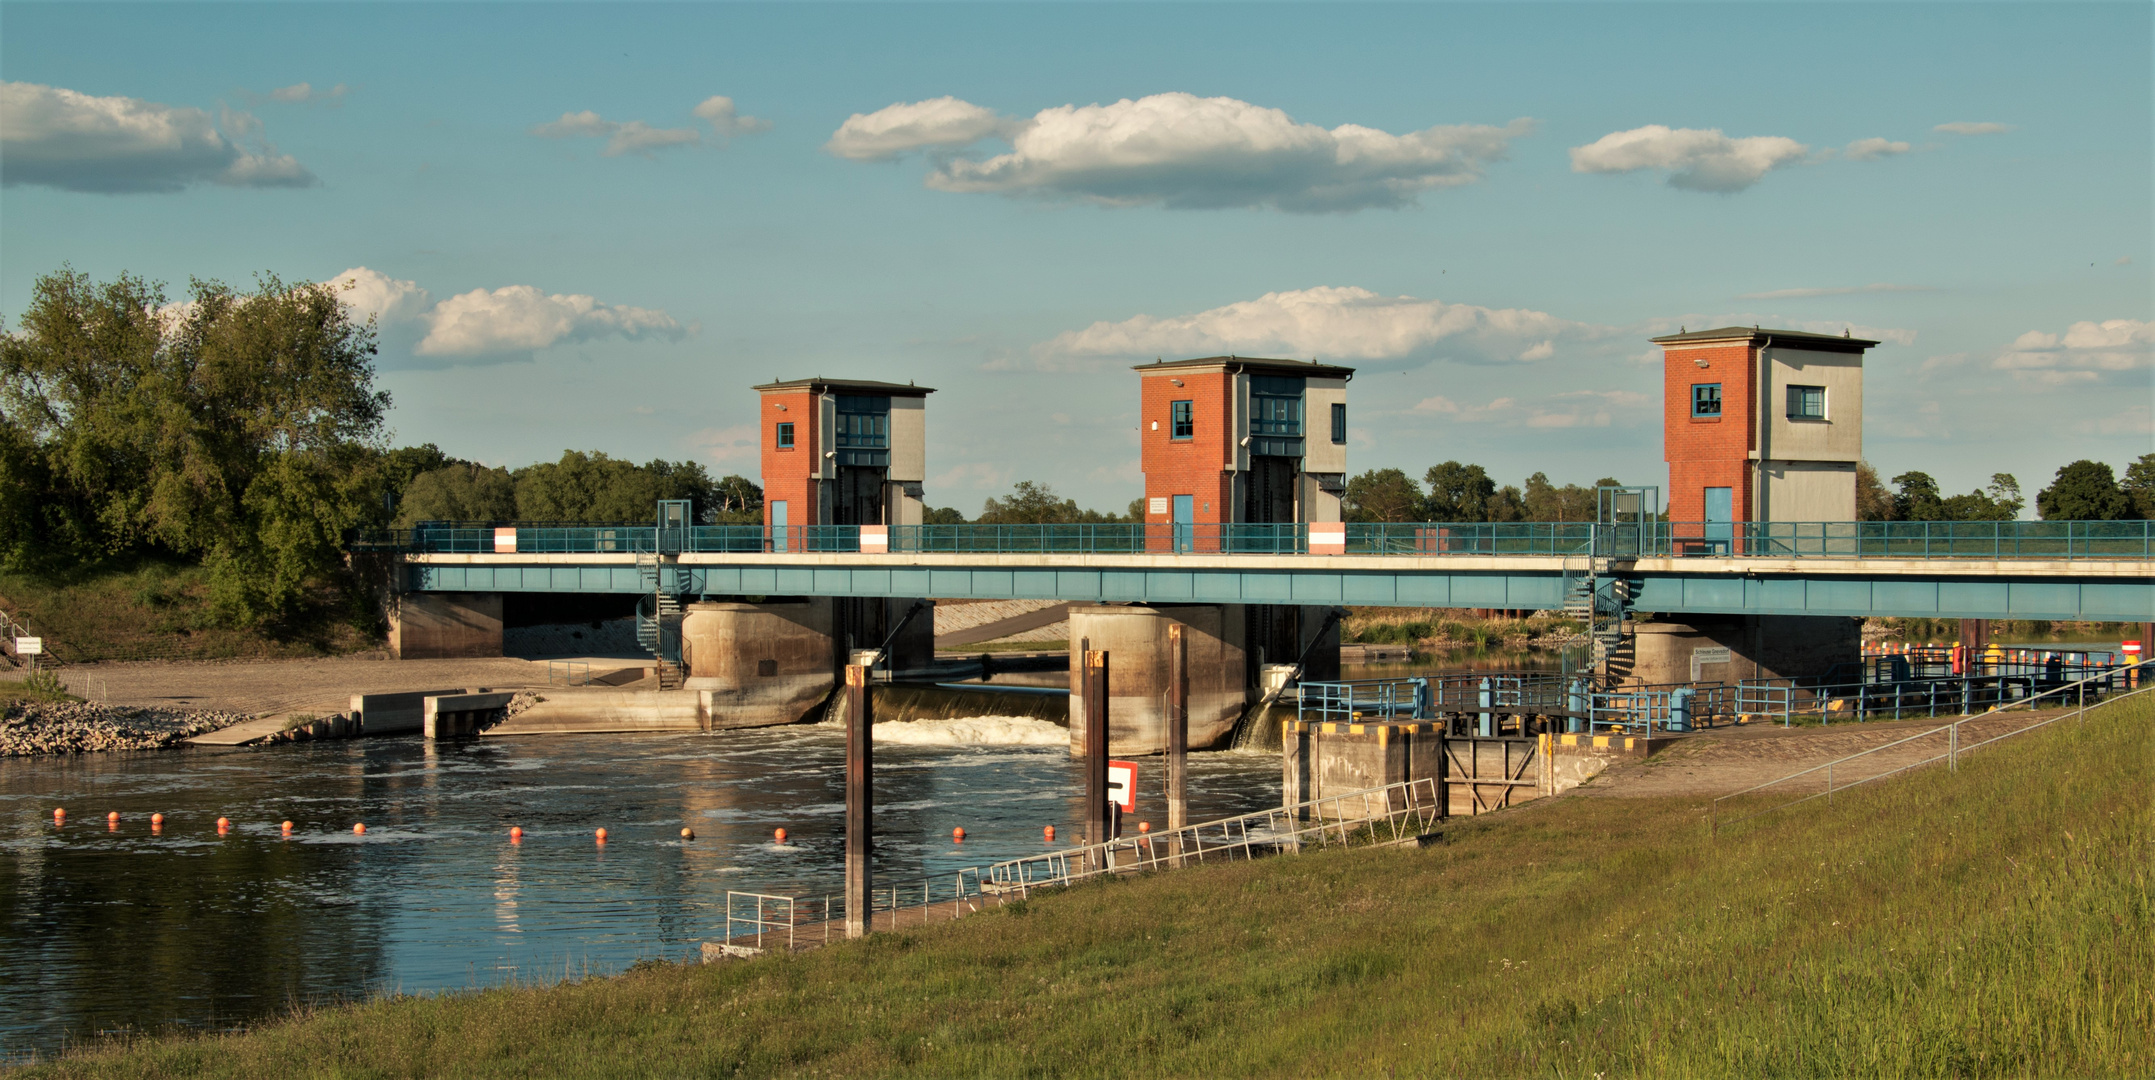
(1178, 726)
(860, 794)
(1095, 676)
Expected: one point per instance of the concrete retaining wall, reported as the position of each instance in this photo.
(451, 715)
(392, 714)
(607, 711)
(440, 625)
(761, 664)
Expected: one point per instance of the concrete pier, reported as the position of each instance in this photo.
(444, 625)
(1137, 637)
(1706, 648)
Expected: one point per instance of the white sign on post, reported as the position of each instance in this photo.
(29, 646)
(1122, 784)
(1158, 505)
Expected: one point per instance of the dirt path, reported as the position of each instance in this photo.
(285, 686)
(1729, 759)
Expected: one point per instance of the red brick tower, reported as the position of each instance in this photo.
(1230, 439)
(842, 452)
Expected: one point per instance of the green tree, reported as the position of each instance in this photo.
(736, 500)
(460, 492)
(1507, 505)
(2083, 491)
(1917, 499)
(1029, 504)
(586, 487)
(1383, 495)
(942, 515)
(240, 429)
(2001, 501)
(1873, 501)
(1459, 492)
(2139, 486)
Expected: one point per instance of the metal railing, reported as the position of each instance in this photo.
(1899, 695)
(1794, 540)
(1951, 756)
(568, 673)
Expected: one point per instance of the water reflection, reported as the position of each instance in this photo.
(113, 930)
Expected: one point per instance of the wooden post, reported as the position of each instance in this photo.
(860, 797)
(1974, 635)
(1178, 726)
(1095, 676)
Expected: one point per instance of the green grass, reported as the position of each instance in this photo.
(1989, 922)
(154, 610)
(38, 686)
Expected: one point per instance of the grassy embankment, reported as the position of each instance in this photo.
(159, 611)
(1993, 922)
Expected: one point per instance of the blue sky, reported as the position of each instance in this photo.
(1586, 176)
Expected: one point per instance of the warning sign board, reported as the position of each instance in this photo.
(2131, 648)
(29, 646)
(1122, 784)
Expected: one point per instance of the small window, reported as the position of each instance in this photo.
(1339, 422)
(1706, 399)
(1807, 403)
(785, 436)
(1180, 425)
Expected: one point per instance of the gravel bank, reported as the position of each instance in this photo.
(31, 729)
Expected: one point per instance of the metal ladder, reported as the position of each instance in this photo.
(1605, 612)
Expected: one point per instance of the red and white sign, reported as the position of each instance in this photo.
(1328, 538)
(1122, 784)
(504, 541)
(2130, 648)
(875, 539)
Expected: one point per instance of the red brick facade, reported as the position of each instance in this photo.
(1705, 452)
(788, 474)
(1198, 466)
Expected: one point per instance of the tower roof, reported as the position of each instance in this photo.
(819, 384)
(1257, 365)
(1793, 338)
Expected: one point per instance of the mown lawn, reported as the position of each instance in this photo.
(1993, 922)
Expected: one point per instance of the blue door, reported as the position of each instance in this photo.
(778, 525)
(1184, 519)
(1720, 519)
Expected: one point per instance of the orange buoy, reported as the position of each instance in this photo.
(602, 836)
(159, 819)
(780, 835)
(286, 827)
(1144, 826)
(958, 834)
(222, 823)
(688, 834)
(59, 814)
(113, 816)
(516, 833)
(1048, 834)
(359, 829)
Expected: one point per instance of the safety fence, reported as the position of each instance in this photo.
(1987, 540)
(1402, 812)
(1950, 734)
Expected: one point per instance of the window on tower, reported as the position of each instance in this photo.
(1180, 424)
(1706, 399)
(1807, 403)
(785, 436)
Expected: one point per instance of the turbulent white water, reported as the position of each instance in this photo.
(973, 731)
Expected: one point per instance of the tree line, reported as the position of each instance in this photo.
(581, 487)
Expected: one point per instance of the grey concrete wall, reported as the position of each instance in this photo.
(1136, 642)
(761, 664)
(1317, 764)
(449, 715)
(1759, 646)
(438, 626)
(607, 711)
(391, 714)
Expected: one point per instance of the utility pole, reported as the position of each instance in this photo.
(860, 795)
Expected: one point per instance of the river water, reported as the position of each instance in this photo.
(115, 929)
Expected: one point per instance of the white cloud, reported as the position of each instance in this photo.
(1872, 149)
(719, 111)
(1973, 127)
(944, 123)
(306, 94)
(2087, 352)
(639, 138)
(1834, 290)
(64, 139)
(737, 445)
(1696, 160)
(1181, 151)
(512, 320)
(1331, 324)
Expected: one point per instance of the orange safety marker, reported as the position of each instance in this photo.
(780, 835)
(59, 816)
(1144, 826)
(222, 823)
(113, 817)
(1048, 834)
(688, 834)
(159, 819)
(516, 834)
(359, 829)
(958, 834)
(285, 827)
(602, 836)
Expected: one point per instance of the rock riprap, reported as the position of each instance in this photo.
(33, 728)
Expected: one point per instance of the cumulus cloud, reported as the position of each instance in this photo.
(1695, 159)
(115, 145)
(1835, 290)
(500, 323)
(1181, 151)
(1973, 127)
(2086, 352)
(943, 123)
(639, 138)
(307, 94)
(1872, 149)
(1329, 323)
